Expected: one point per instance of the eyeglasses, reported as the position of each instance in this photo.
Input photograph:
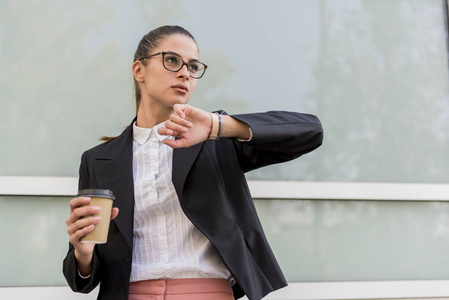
(173, 63)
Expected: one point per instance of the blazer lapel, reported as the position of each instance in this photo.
(183, 159)
(114, 170)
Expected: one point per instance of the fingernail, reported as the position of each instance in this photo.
(96, 209)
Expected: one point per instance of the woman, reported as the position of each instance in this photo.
(184, 220)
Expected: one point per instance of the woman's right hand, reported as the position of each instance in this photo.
(78, 226)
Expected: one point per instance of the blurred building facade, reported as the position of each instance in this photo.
(366, 216)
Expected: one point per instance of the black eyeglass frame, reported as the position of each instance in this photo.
(163, 53)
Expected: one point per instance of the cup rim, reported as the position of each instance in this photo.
(103, 193)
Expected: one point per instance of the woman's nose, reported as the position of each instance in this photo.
(184, 72)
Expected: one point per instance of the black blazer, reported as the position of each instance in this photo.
(210, 182)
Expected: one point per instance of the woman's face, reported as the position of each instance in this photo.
(162, 88)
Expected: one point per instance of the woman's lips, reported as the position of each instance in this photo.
(180, 88)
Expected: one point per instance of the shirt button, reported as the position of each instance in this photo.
(164, 259)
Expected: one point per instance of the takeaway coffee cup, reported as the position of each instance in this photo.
(103, 199)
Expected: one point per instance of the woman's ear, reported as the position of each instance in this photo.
(138, 71)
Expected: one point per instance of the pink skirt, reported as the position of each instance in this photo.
(181, 289)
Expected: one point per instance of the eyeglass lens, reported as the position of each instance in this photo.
(174, 63)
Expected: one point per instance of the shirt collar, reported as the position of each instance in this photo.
(142, 135)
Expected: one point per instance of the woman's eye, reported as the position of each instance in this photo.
(173, 60)
(195, 67)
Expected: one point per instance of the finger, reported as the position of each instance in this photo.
(81, 223)
(175, 127)
(84, 211)
(175, 143)
(182, 113)
(81, 212)
(75, 237)
(175, 119)
(178, 108)
(114, 212)
(79, 201)
(166, 131)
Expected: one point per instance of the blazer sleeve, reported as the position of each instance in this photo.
(70, 269)
(278, 136)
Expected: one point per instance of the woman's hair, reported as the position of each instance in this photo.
(146, 46)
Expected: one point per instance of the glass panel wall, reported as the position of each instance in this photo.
(358, 240)
(34, 240)
(375, 72)
(312, 240)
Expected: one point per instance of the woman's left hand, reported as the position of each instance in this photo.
(187, 123)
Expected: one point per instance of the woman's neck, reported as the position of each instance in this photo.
(148, 117)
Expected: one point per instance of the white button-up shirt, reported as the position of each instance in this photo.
(166, 244)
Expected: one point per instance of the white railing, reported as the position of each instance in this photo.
(312, 190)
